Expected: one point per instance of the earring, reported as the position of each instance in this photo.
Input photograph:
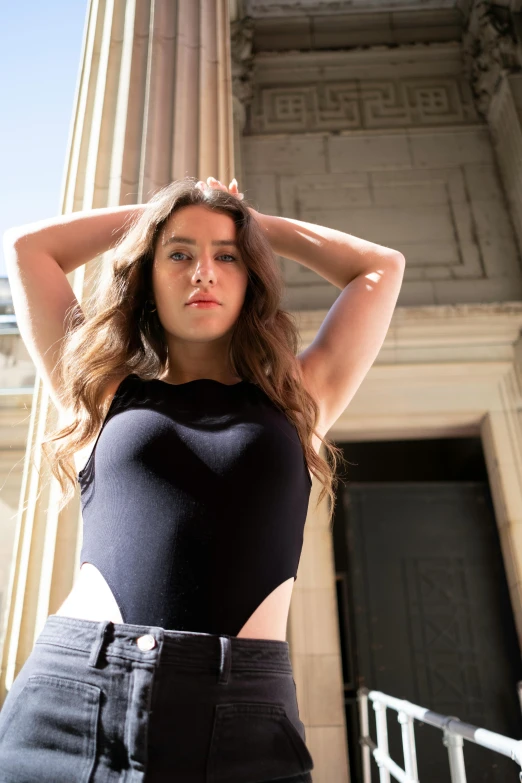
(151, 310)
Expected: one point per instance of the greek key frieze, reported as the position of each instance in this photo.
(352, 105)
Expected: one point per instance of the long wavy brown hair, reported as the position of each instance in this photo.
(115, 333)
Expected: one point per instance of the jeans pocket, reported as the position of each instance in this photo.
(254, 742)
(50, 731)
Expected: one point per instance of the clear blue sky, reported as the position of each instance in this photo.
(40, 49)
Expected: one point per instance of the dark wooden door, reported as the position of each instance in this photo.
(431, 616)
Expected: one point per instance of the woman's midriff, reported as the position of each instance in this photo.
(91, 599)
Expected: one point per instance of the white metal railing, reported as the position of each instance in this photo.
(454, 730)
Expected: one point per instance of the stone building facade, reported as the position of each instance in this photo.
(400, 122)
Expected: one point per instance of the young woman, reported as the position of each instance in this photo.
(168, 660)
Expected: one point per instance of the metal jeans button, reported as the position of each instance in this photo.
(146, 642)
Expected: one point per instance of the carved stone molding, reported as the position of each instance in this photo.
(489, 49)
(241, 38)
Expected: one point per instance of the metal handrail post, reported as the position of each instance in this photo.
(408, 746)
(454, 731)
(455, 746)
(382, 739)
(365, 731)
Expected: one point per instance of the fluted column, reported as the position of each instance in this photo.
(153, 104)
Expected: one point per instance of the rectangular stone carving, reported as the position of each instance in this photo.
(445, 227)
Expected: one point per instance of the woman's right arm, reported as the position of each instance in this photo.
(39, 256)
(73, 239)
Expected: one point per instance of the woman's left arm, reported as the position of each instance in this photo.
(351, 336)
(336, 256)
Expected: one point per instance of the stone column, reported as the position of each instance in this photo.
(153, 104)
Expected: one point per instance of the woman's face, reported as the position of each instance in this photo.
(195, 254)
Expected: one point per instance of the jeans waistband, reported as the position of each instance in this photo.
(188, 649)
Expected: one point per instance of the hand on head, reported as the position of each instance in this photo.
(215, 183)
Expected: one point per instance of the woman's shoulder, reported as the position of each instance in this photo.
(116, 384)
(109, 391)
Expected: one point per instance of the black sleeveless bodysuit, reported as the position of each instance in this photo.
(194, 500)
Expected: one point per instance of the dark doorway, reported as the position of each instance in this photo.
(424, 607)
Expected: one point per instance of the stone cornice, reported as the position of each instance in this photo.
(367, 55)
(261, 9)
(491, 329)
(509, 309)
(512, 311)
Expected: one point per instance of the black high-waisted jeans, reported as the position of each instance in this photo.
(100, 702)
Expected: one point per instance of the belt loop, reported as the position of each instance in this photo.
(98, 643)
(225, 659)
